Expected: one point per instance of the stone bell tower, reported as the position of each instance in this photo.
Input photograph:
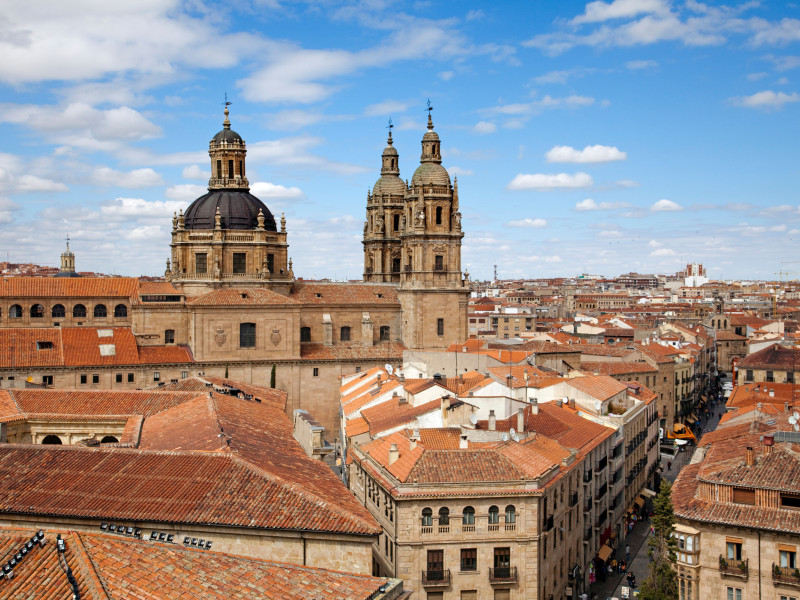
(433, 292)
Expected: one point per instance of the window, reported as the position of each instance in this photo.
(734, 593)
(438, 263)
(396, 223)
(770, 375)
(439, 326)
(130, 377)
(156, 376)
(790, 501)
(305, 334)
(744, 496)
(444, 516)
(44, 345)
(83, 379)
(469, 559)
(118, 378)
(100, 311)
(435, 564)
(219, 169)
(395, 265)
(748, 375)
(384, 333)
(79, 311)
(502, 562)
(240, 262)
(734, 549)
(47, 380)
(247, 335)
(201, 263)
(790, 377)
(109, 439)
(511, 514)
(120, 311)
(427, 517)
(230, 169)
(95, 378)
(37, 311)
(494, 515)
(271, 263)
(438, 215)
(184, 374)
(316, 371)
(344, 334)
(58, 312)
(169, 336)
(15, 312)
(52, 440)
(468, 517)
(788, 558)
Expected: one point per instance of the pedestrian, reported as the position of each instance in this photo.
(627, 553)
(669, 465)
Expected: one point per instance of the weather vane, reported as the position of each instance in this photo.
(390, 125)
(226, 103)
(67, 241)
(430, 108)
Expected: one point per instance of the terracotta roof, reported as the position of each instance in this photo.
(68, 287)
(389, 415)
(601, 387)
(390, 351)
(241, 297)
(774, 357)
(165, 355)
(343, 293)
(158, 288)
(108, 567)
(536, 377)
(602, 350)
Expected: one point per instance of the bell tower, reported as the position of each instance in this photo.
(433, 292)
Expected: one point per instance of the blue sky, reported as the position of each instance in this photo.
(602, 137)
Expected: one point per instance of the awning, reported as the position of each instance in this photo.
(648, 493)
(604, 553)
(639, 501)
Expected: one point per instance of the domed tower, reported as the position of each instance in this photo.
(228, 237)
(385, 220)
(67, 263)
(432, 291)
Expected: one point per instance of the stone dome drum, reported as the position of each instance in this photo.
(430, 173)
(389, 184)
(238, 209)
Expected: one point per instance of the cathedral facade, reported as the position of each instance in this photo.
(231, 301)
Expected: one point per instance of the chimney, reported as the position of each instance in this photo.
(445, 408)
(772, 393)
(492, 421)
(558, 402)
(748, 456)
(768, 442)
(463, 444)
(572, 403)
(412, 441)
(520, 420)
(378, 378)
(534, 406)
(394, 454)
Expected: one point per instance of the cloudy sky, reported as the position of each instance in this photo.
(601, 138)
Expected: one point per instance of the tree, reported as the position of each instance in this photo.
(272, 378)
(662, 580)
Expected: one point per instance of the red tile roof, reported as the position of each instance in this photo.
(391, 352)
(774, 357)
(241, 297)
(68, 287)
(339, 293)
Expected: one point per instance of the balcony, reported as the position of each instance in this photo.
(587, 534)
(601, 492)
(587, 476)
(601, 464)
(788, 576)
(426, 529)
(436, 579)
(503, 576)
(573, 498)
(547, 524)
(730, 567)
(587, 505)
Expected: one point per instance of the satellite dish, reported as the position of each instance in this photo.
(796, 415)
(473, 418)
(515, 437)
(505, 437)
(796, 427)
(512, 432)
(389, 368)
(792, 420)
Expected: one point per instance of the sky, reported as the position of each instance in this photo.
(602, 137)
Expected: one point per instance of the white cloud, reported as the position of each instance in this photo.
(288, 120)
(127, 208)
(533, 223)
(756, 76)
(767, 99)
(475, 15)
(665, 205)
(132, 179)
(654, 244)
(446, 75)
(525, 109)
(264, 189)
(610, 233)
(589, 204)
(32, 183)
(619, 9)
(638, 65)
(145, 233)
(545, 181)
(195, 172)
(386, 108)
(590, 154)
(296, 152)
(484, 127)
(458, 171)
(185, 192)
(663, 252)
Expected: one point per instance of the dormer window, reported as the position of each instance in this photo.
(44, 345)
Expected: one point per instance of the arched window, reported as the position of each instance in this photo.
(305, 334)
(58, 311)
(427, 517)
(100, 311)
(53, 440)
(109, 439)
(15, 312)
(438, 215)
(468, 516)
(120, 310)
(494, 515)
(79, 311)
(511, 514)
(247, 335)
(37, 311)
(444, 516)
(396, 222)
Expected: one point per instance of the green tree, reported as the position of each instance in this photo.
(272, 378)
(662, 580)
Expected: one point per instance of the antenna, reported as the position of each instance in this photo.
(473, 418)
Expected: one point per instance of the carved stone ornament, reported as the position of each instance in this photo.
(221, 337)
(275, 337)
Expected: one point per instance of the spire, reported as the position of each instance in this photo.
(430, 120)
(390, 160)
(226, 123)
(431, 150)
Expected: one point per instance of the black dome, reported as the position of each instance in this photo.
(227, 135)
(238, 209)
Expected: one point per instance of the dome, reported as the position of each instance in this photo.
(238, 209)
(227, 135)
(430, 136)
(389, 184)
(430, 173)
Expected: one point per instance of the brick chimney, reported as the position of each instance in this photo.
(748, 456)
(492, 421)
(394, 454)
(769, 440)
